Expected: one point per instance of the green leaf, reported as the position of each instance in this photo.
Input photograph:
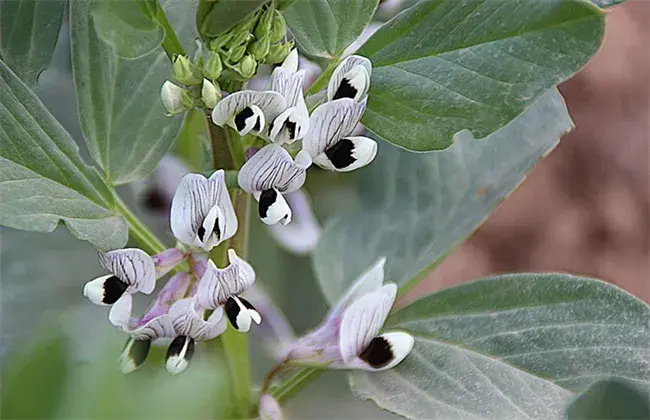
(446, 65)
(324, 28)
(214, 17)
(29, 30)
(26, 398)
(122, 117)
(42, 177)
(417, 207)
(514, 346)
(126, 26)
(610, 399)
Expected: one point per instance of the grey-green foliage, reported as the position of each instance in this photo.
(446, 65)
(324, 28)
(28, 33)
(122, 117)
(610, 399)
(42, 178)
(214, 17)
(516, 346)
(416, 207)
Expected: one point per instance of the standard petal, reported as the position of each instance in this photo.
(133, 266)
(158, 327)
(363, 320)
(289, 85)
(301, 235)
(188, 321)
(217, 285)
(330, 122)
(272, 167)
(351, 79)
(226, 111)
(368, 282)
(348, 154)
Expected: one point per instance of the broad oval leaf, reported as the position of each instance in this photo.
(122, 117)
(516, 346)
(29, 30)
(324, 28)
(416, 207)
(446, 65)
(214, 17)
(42, 177)
(127, 27)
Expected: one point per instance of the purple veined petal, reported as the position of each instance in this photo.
(235, 109)
(290, 63)
(275, 333)
(217, 285)
(133, 267)
(289, 126)
(363, 319)
(194, 200)
(147, 328)
(273, 168)
(301, 235)
(270, 408)
(369, 281)
(188, 321)
(348, 154)
(351, 79)
(166, 260)
(330, 122)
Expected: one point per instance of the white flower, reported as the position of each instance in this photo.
(202, 214)
(350, 336)
(269, 408)
(301, 235)
(248, 111)
(222, 287)
(292, 124)
(209, 94)
(175, 99)
(131, 271)
(268, 174)
(327, 140)
(351, 79)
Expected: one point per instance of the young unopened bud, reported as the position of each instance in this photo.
(209, 94)
(260, 47)
(278, 52)
(175, 99)
(246, 67)
(185, 72)
(265, 23)
(270, 408)
(238, 40)
(212, 66)
(221, 41)
(235, 54)
(279, 27)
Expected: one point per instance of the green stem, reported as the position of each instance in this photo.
(324, 77)
(170, 43)
(236, 146)
(297, 382)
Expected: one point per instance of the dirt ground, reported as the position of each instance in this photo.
(586, 208)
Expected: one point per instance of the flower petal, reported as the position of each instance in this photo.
(187, 321)
(270, 103)
(368, 282)
(289, 126)
(105, 290)
(158, 327)
(120, 313)
(387, 350)
(273, 208)
(330, 122)
(240, 313)
(217, 285)
(299, 236)
(270, 408)
(351, 79)
(291, 62)
(272, 167)
(133, 266)
(363, 320)
(348, 154)
(179, 354)
(134, 354)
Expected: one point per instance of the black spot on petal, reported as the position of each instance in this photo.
(267, 198)
(291, 128)
(240, 119)
(257, 125)
(176, 347)
(216, 230)
(113, 290)
(345, 90)
(201, 233)
(232, 311)
(246, 303)
(378, 353)
(341, 154)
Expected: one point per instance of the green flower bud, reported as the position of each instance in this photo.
(279, 27)
(247, 67)
(238, 40)
(212, 66)
(278, 52)
(260, 47)
(221, 41)
(185, 72)
(265, 23)
(235, 54)
(210, 94)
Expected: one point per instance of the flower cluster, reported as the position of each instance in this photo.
(280, 116)
(192, 306)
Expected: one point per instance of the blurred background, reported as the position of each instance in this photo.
(585, 209)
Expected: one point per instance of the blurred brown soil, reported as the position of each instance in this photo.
(585, 209)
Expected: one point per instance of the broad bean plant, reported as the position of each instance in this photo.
(286, 145)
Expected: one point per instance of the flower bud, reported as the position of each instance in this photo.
(260, 47)
(270, 408)
(212, 66)
(175, 98)
(209, 94)
(221, 41)
(246, 67)
(236, 53)
(185, 72)
(238, 40)
(279, 27)
(278, 52)
(265, 23)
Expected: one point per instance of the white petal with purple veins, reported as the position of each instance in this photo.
(217, 285)
(272, 167)
(330, 122)
(229, 109)
(348, 154)
(132, 266)
(351, 76)
(188, 321)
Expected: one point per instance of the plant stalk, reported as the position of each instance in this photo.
(170, 43)
(323, 79)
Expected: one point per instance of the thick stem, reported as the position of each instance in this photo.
(296, 383)
(170, 44)
(323, 79)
